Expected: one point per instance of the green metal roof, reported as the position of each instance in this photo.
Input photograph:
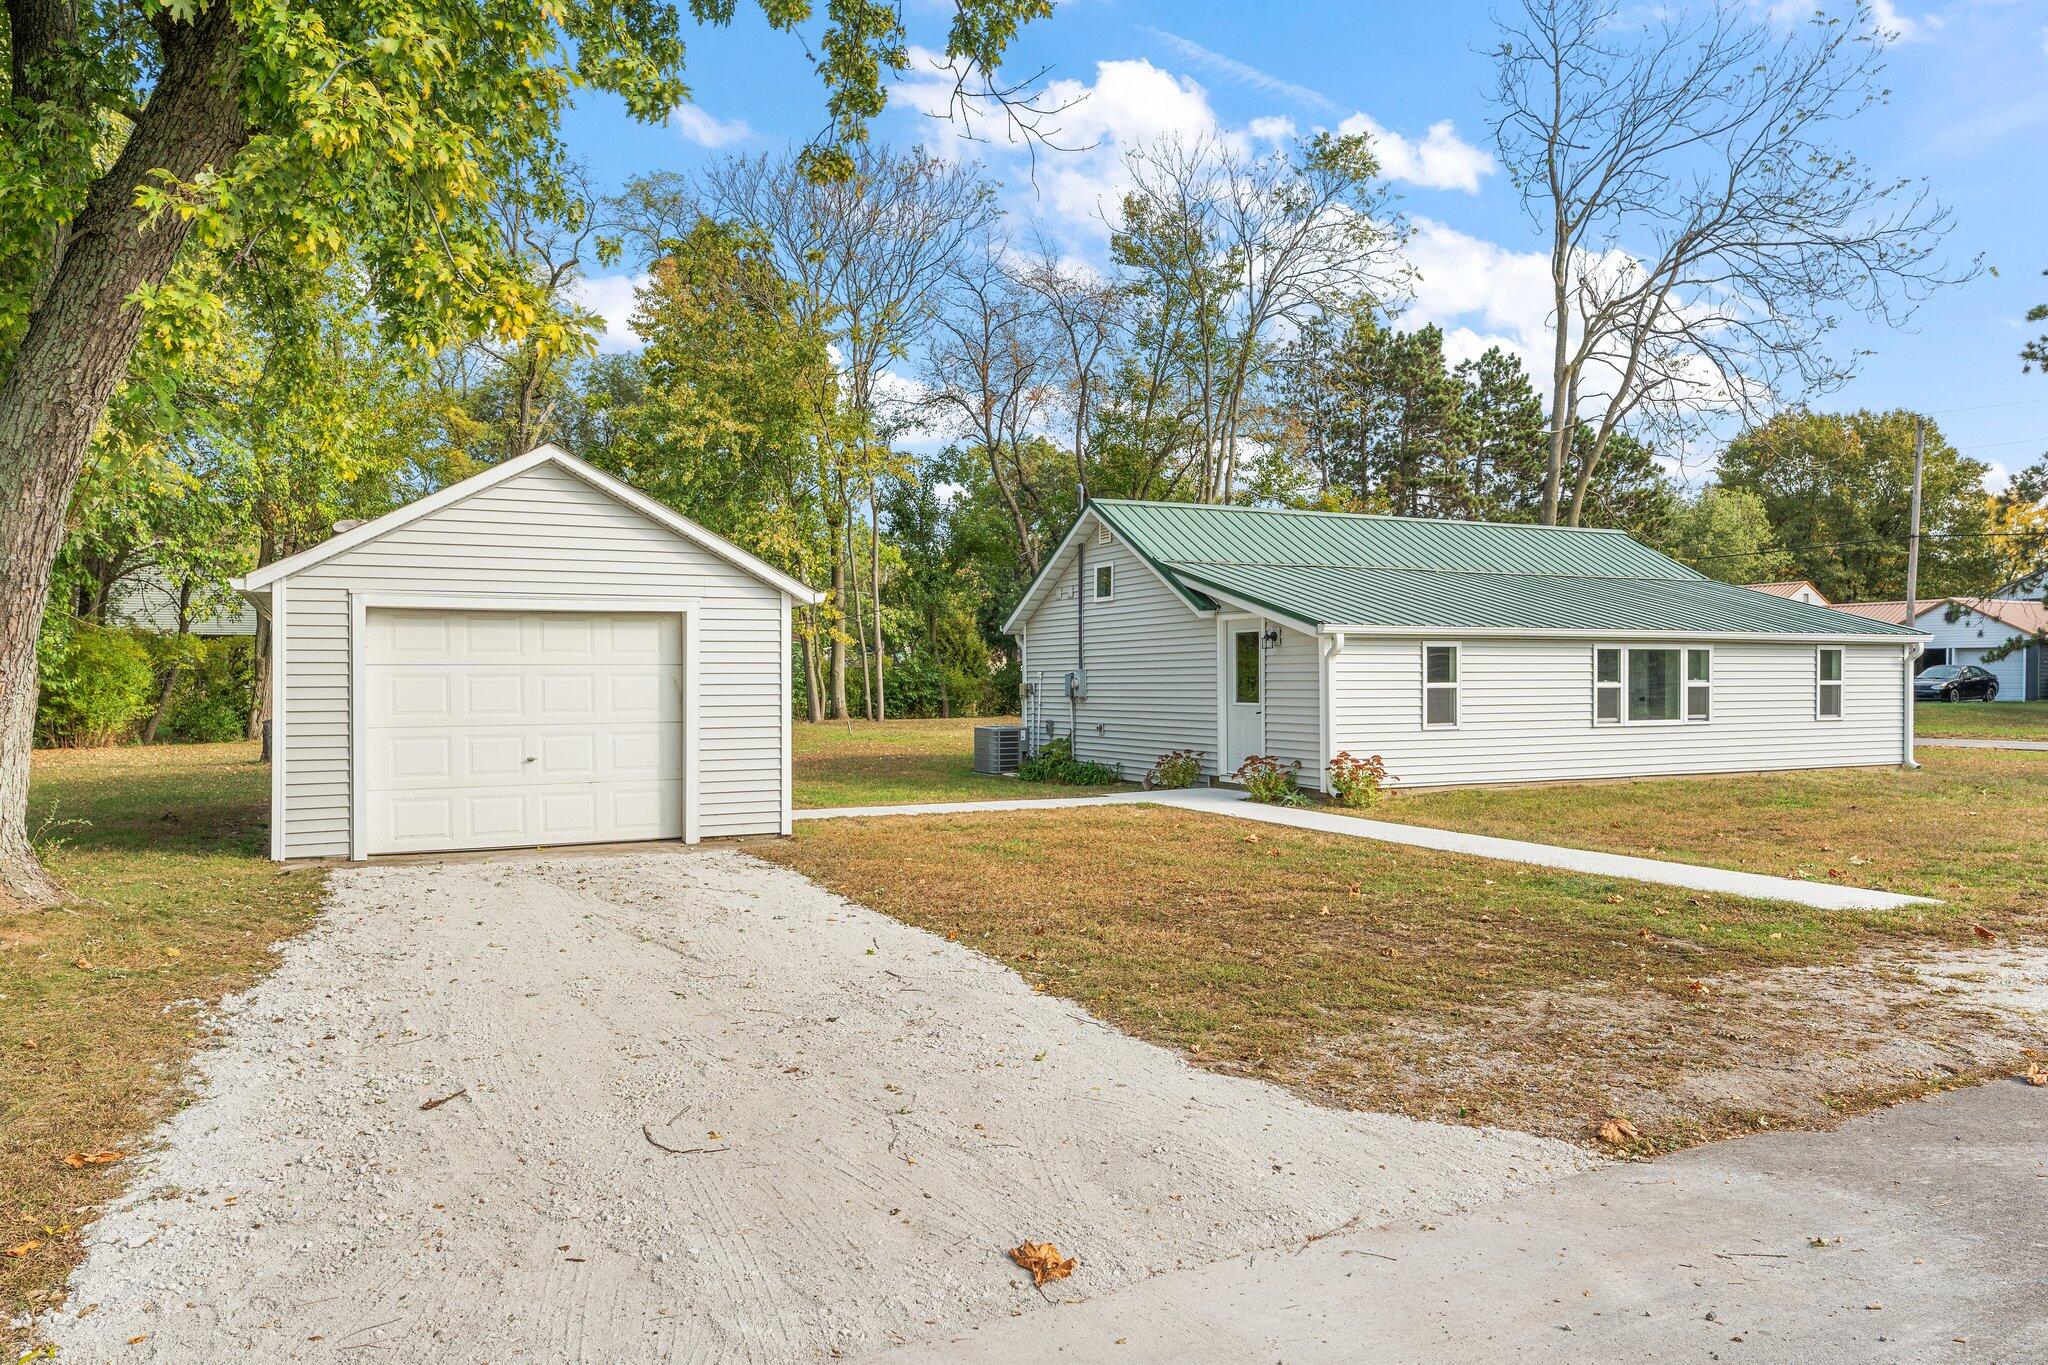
(1397, 573)
(1452, 600)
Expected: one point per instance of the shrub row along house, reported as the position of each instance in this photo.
(1459, 651)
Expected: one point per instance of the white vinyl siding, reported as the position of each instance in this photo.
(1524, 713)
(542, 533)
(1294, 705)
(1150, 661)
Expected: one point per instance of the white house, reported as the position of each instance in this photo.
(1795, 590)
(148, 600)
(536, 655)
(1460, 652)
(1963, 630)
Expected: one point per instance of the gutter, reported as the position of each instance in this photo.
(1333, 645)
(1530, 632)
(1912, 652)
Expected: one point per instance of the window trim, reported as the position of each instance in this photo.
(1687, 684)
(1821, 683)
(1455, 686)
(1099, 594)
(1619, 685)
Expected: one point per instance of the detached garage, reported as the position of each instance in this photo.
(536, 655)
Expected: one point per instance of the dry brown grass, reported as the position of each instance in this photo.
(102, 1001)
(1394, 978)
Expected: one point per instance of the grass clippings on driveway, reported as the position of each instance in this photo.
(1394, 978)
(1970, 827)
(903, 762)
(101, 1001)
(1982, 720)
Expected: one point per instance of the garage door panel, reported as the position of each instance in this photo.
(496, 730)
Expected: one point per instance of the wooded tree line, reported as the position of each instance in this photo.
(266, 268)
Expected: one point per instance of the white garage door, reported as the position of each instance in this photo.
(492, 729)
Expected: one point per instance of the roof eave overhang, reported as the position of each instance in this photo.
(1092, 515)
(1528, 632)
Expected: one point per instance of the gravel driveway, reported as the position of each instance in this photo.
(704, 1110)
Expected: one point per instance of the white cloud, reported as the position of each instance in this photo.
(1481, 294)
(1440, 161)
(706, 131)
(1272, 129)
(1082, 179)
(1885, 15)
(1244, 73)
(611, 298)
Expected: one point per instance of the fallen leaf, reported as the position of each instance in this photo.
(1618, 1132)
(1617, 900)
(1249, 839)
(80, 1160)
(2036, 1074)
(138, 1338)
(1393, 952)
(1043, 1260)
(24, 1249)
(81, 964)
(1981, 932)
(1699, 987)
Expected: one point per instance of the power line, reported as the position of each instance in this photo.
(1866, 544)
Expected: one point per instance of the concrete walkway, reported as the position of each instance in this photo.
(2032, 745)
(1224, 801)
(1912, 1234)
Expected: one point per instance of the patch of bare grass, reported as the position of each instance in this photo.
(1393, 978)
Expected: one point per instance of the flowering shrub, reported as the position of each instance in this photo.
(1180, 768)
(1269, 780)
(1357, 781)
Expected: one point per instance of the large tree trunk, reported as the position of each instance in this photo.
(73, 356)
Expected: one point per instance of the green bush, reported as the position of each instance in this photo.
(210, 701)
(1270, 781)
(1179, 768)
(96, 684)
(1055, 762)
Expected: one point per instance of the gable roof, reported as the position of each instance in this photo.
(1789, 589)
(1351, 571)
(2029, 618)
(542, 454)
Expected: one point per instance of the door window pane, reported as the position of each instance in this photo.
(1653, 684)
(1248, 667)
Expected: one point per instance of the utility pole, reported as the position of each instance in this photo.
(1913, 544)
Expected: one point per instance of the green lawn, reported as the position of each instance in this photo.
(1982, 720)
(900, 762)
(101, 1001)
(1968, 827)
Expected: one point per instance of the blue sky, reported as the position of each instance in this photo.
(1968, 113)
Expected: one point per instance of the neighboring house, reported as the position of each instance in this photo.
(148, 600)
(1962, 630)
(1459, 651)
(539, 654)
(1798, 590)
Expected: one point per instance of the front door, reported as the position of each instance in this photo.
(1245, 701)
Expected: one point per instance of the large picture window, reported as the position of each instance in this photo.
(1827, 702)
(1653, 684)
(1439, 686)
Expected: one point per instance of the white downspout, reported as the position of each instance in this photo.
(1332, 647)
(1913, 651)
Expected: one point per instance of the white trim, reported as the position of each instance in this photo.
(1227, 627)
(497, 474)
(1686, 685)
(1456, 685)
(1326, 720)
(788, 724)
(1095, 593)
(1840, 684)
(360, 604)
(1677, 636)
(1628, 655)
(278, 790)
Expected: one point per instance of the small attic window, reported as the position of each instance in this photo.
(1105, 582)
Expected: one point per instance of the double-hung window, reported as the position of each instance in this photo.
(1652, 685)
(1827, 701)
(1699, 684)
(1439, 687)
(1607, 685)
